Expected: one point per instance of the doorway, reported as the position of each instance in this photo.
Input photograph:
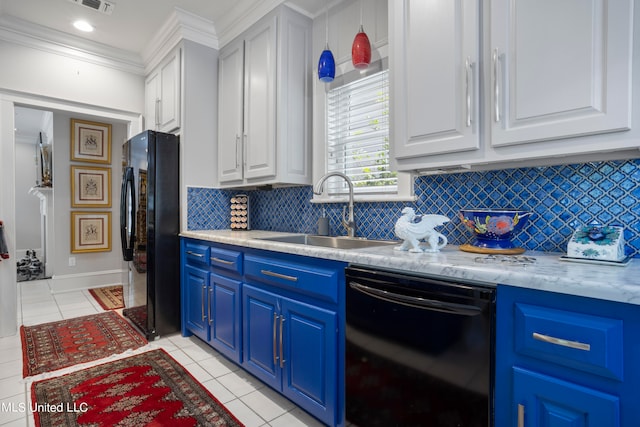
(33, 192)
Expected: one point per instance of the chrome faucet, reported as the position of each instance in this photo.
(349, 223)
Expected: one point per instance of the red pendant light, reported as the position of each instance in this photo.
(361, 50)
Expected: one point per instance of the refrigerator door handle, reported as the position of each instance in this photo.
(128, 205)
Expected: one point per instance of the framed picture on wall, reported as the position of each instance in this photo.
(90, 232)
(90, 141)
(90, 187)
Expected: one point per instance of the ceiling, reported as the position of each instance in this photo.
(133, 23)
(29, 123)
(130, 28)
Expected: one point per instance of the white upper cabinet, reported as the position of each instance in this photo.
(162, 95)
(230, 112)
(504, 83)
(260, 70)
(559, 68)
(434, 62)
(264, 103)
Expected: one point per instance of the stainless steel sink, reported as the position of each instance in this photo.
(341, 242)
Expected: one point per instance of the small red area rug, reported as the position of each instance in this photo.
(137, 315)
(57, 345)
(109, 297)
(148, 389)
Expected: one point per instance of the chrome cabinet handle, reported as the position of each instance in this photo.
(281, 345)
(222, 261)
(496, 84)
(467, 68)
(520, 415)
(275, 356)
(195, 254)
(561, 342)
(209, 305)
(244, 152)
(279, 276)
(237, 143)
(203, 295)
(158, 110)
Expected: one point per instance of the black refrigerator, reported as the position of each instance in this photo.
(149, 228)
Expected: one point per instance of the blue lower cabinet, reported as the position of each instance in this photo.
(565, 361)
(292, 346)
(274, 314)
(545, 401)
(260, 322)
(212, 310)
(194, 289)
(224, 307)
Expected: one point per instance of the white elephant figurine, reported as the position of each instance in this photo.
(412, 229)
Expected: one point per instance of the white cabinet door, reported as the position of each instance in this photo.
(260, 100)
(151, 100)
(170, 94)
(434, 86)
(264, 103)
(162, 95)
(230, 111)
(559, 69)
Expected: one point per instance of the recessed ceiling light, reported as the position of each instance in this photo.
(83, 26)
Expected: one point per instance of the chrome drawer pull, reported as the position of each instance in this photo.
(562, 342)
(195, 254)
(222, 261)
(279, 276)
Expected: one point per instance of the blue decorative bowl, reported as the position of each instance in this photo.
(494, 228)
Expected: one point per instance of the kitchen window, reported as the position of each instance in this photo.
(357, 129)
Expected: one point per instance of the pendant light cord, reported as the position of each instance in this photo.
(327, 26)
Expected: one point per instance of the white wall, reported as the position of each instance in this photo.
(60, 82)
(64, 77)
(28, 230)
(91, 269)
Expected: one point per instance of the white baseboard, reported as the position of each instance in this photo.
(81, 281)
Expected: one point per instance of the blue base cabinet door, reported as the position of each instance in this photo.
(544, 401)
(309, 363)
(195, 292)
(260, 320)
(223, 312)
(291, 346)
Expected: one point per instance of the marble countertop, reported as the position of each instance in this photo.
(549, 273)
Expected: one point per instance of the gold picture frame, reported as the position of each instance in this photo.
(90, 141)
(90, 232)
(90, 187)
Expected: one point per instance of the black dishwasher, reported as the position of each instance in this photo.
(419, 350)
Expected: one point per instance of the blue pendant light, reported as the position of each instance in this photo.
(326, 64)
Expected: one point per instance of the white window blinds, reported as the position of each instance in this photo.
(358, 136)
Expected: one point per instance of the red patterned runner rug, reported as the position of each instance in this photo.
(57, 345)
(148, 389)
(109, 297)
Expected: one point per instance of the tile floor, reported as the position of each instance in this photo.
(253, 403)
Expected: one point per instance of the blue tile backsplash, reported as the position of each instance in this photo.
(561, 198)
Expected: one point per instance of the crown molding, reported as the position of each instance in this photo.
(25, 33)
(242, 16)
(181, 25)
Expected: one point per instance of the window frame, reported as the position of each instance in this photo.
(347, 74)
